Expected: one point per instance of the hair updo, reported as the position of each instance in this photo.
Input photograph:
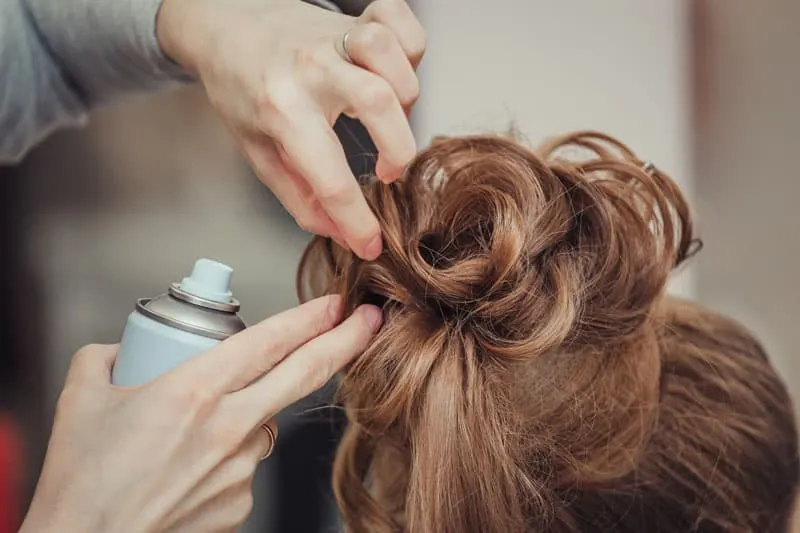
(531, 374)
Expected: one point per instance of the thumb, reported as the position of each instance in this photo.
(93, 364)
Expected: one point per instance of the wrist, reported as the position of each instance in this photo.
(37, 522)
(34, 524)
(50, 517)
(173, 28)
(51, 523)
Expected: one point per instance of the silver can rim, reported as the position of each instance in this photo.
(141, 307)
(228, 307)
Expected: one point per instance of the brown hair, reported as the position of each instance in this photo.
(531, 374)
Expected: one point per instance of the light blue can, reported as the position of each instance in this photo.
(164, 332)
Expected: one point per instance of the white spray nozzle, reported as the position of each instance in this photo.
(209, 280)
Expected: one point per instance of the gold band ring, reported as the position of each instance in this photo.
(271, 436)
(346, 52)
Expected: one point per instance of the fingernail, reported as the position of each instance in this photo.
(372, 315)
(373, 249)
(384, 174)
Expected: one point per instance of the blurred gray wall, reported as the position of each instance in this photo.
(747, 140)
(621, 67)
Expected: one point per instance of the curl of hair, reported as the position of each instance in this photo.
(519, 368)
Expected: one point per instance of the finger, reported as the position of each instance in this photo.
(216, 505)
(310, 366)
(398, 17)
(315, 152)
(294, 193)
(93, 364)
(375, 104)
(246, 356)
(224, 495)
(375, 47)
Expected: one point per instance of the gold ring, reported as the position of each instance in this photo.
(347, 55)
(271, 436)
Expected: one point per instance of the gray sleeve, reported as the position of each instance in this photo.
(60, 58)
(106, 48)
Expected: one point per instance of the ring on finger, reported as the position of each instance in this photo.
(345, 51)
(271, 436)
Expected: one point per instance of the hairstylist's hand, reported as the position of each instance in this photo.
(279, 75)
(179, 453)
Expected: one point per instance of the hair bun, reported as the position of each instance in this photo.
(493, 255)
(523, 251)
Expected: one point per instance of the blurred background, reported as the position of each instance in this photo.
(707, 90)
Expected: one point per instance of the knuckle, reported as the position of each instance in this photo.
(273, 335)
(197, 402)
(270, 344)
(319, 374)
(419, 43)
(388, 8)
(368, 232)
(228, 435)
(83, 355)
(82, 362)
(375, 38)
(335, 192)
(305, 223)
(311, 57)
(413, 92)
(243, 468)
(68, 400)
(309, 223)
(278, 98)
(243, 507)
(374, 96)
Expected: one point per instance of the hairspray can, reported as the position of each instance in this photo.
(191, 317)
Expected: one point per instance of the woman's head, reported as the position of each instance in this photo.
(531, 375)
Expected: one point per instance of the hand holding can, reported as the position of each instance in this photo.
(178, 451)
